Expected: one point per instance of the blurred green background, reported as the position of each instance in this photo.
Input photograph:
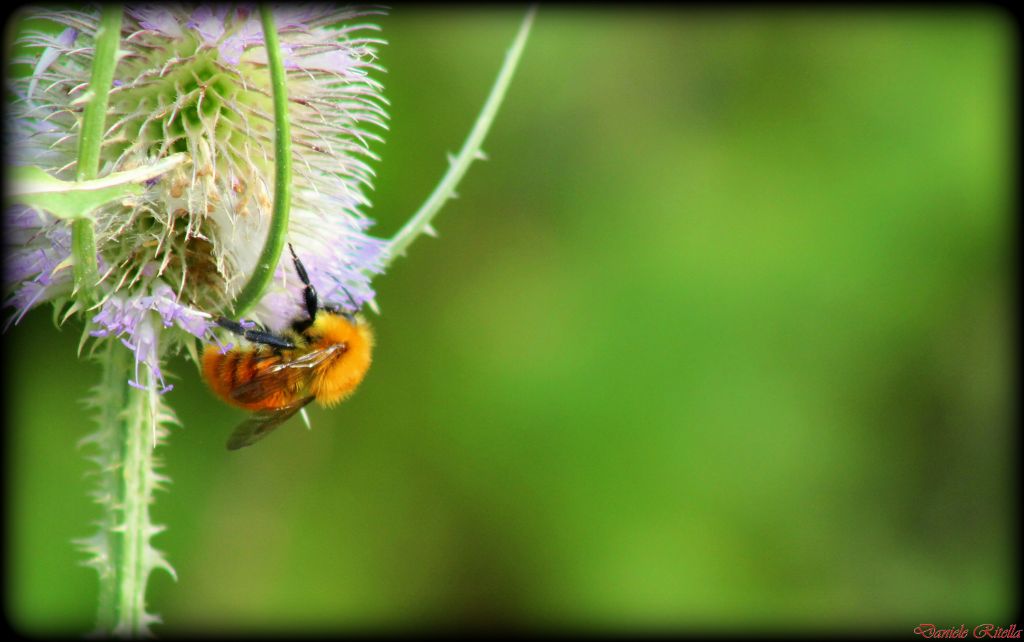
(718, 338)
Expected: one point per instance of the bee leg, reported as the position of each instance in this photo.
(256, 336)
(309, 292)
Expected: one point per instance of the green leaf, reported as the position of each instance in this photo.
(78, 199)
(64, 199)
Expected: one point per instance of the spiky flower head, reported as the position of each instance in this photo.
(195, 80)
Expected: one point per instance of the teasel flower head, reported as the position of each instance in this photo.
(194, 81)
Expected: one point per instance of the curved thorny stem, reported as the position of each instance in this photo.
(274, 244)
(419, 223)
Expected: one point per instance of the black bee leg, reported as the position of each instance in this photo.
(309, 292)
(256, 336)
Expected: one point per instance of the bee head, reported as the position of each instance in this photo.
(313, 303)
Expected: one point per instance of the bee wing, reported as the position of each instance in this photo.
(261, 423)
(281, 375)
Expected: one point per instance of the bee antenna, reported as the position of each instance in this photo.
(355, 306)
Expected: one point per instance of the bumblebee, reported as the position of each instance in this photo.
(324, 355)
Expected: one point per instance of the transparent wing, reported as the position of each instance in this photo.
(276, 375)
(260, 424)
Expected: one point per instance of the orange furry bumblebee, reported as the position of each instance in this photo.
(323, 356)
